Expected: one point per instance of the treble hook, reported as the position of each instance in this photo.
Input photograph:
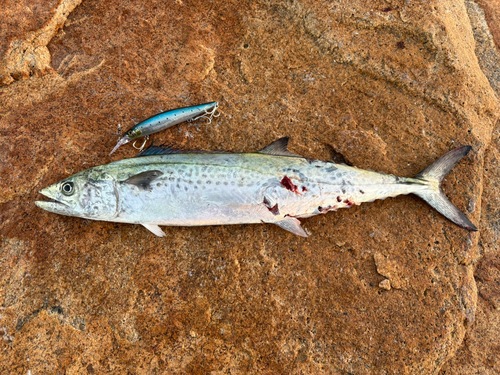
(143, 144)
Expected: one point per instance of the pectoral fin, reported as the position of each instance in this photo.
(292, 224)
(143, 180)
(155, 229)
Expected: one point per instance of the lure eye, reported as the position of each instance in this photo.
(68, 188)
(133, 133)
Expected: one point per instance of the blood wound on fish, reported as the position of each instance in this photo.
(289, 185)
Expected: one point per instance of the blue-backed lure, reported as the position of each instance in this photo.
(167, 119)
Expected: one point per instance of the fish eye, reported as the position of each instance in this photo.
(68, 188)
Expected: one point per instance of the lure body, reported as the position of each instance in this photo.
(166, 120)
(270, 186)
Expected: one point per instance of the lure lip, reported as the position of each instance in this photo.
(121, 142)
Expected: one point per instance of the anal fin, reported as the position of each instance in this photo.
(155, 229)
(292, 224)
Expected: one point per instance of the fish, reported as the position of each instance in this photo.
(164, 186)
(166, 120)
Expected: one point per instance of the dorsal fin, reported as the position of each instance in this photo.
(278, 147)
(166, 150)
(160, 150)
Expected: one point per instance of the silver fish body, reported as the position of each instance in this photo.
(191, 189)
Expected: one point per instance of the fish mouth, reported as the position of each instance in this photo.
(121, 142)
(52, 205)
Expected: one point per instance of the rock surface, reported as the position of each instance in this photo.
(387, 287)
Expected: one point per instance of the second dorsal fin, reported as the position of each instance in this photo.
(278, 147)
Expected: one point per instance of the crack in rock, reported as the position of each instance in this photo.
(29, 55)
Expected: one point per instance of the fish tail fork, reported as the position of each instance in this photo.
(434, 196)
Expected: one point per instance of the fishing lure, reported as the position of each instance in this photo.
(162, 186)
(167, 119)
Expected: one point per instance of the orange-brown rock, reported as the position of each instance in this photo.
(387, 287)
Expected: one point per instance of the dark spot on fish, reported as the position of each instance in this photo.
(217, 183)
(208, 182)
(339, 199)
(343, 191)
(309, 161)
(331, 169)
(318, 166)
(349, 202)
(304, 188)
(225, 183)
(323, 210)
(185, 188)
(288, 184)
(400, 45)
(198, 182)
(274, 210)
(158, 184)
(361, 191)
(266, 202)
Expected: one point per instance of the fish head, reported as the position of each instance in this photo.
(90, 194)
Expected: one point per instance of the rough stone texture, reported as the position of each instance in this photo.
(29, 28)
(480, 351)
(385, 288)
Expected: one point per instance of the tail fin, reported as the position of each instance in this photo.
(434, 174)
